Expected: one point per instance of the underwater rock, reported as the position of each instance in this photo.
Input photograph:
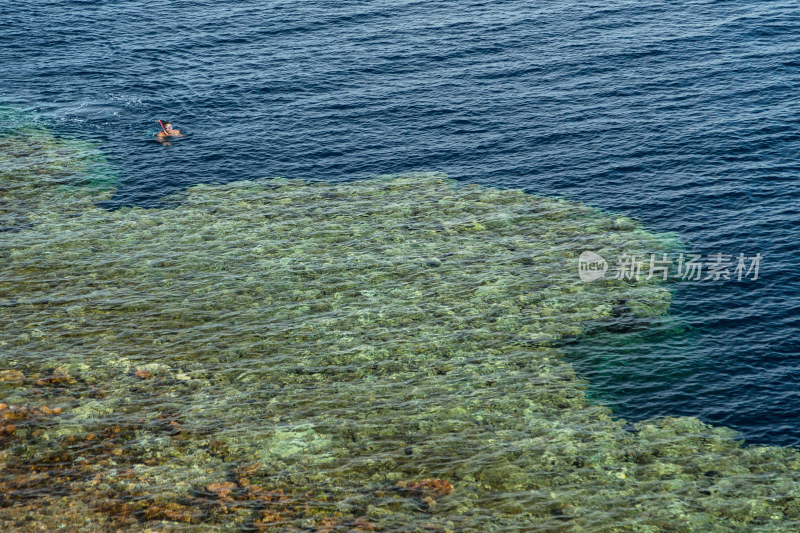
(221, 489)
(169, 422)
(60, 376)
(362, 524)
(21, 413)
(14, 377)
(326, 525)
(437, 488)
(267, 520)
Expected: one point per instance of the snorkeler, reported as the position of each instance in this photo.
(167, 131)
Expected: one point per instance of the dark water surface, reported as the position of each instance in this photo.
(681, 114)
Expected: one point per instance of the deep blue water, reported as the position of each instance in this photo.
(682, 114)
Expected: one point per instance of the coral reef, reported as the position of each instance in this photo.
(376, 355)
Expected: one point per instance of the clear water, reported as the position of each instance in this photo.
(680, 115)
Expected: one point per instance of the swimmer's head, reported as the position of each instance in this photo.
(167, 126)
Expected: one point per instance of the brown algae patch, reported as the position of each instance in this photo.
(291, 356)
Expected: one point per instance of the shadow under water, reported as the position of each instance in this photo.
(371, 356)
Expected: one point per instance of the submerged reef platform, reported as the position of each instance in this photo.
(377, 355)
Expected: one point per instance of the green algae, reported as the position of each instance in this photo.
(342, 339)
